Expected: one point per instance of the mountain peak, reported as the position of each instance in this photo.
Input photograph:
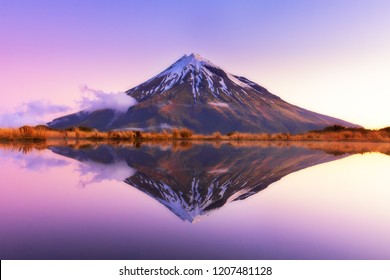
(198, 58)
(194, 56)
(194, 60)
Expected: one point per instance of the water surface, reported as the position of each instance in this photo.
(195, 201)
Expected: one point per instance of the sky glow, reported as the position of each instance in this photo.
(331, 57)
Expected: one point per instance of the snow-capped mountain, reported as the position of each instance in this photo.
(197, 94)
(208, 82)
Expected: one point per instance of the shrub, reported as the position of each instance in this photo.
(42, 127)
(175, 133)
(85, 128)
(231, 133)
(138, 134)
(386, 129)
(26, 131)
(216, 135)
(185, 133)
(335, 127)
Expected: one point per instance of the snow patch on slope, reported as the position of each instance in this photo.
(219, 104)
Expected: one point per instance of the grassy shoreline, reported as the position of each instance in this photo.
(330, 147)
(332, 133)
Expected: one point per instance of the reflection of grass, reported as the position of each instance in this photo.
(335, 147)
(332, 133)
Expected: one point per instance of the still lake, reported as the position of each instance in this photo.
(195, 201)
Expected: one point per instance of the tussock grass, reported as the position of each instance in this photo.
(332, 133)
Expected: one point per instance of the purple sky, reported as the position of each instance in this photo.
(327, 56)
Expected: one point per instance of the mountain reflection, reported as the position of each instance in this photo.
(190, 178)
(194, 181)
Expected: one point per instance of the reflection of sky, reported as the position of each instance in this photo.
(333, 210)
(35, 161)
(92, 172)
(88, 172)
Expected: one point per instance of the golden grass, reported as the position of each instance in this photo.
(43, 133)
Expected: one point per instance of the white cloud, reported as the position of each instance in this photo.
(31, 113)
(37, 112)
(96, 100)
